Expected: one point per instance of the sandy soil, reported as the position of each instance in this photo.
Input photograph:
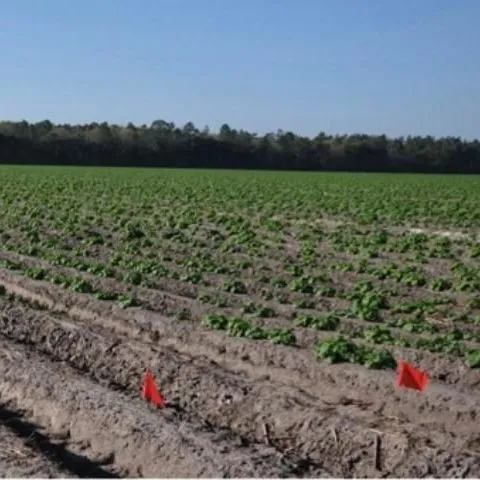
(236, 408)
(109, 424)
(23, 457)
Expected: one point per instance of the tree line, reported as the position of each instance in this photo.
(163, 144)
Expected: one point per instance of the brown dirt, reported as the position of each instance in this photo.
(107, 423)
(237, 408)
(19, 458)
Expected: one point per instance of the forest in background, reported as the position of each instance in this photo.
(163, 144)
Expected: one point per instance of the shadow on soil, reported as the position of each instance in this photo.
(78, 465)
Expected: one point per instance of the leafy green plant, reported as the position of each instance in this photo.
(36, 273)
(377, 359)
(366, 302)
(81, 286)
(330, 321)
(342, 350)
(107, 295)
(303, 284)
(337, 350)
(441, 284)
(235, 286)
(266, 312)
(133, 277)
(378, 335)
(216, 322)
(447, 344)
(473, 358)
(283, 336)
(127, 301)
(411, 276)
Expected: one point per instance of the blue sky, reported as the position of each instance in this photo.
(339, 66)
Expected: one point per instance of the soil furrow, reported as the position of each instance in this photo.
(295, 420)
(170, 305)
(219, 398)
(29, 452)
(291, 365)
(138, 440)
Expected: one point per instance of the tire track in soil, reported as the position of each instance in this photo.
(138, 440)
(32, 453)
(300, 416)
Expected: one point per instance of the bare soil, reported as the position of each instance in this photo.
(22, 457)
(235, 408)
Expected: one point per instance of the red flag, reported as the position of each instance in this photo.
(411, 377)
(150, 392)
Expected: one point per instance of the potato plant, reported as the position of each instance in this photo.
(350, 266)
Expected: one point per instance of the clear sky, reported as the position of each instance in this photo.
(339, 66)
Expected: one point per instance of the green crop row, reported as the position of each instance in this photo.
(325, 250)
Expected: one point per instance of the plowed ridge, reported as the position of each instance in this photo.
(232, 412)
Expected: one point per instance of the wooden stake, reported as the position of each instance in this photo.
(378, 446)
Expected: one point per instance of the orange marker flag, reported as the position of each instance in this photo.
(411, 377)
(150, 392)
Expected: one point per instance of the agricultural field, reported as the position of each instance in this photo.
(272, 308)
